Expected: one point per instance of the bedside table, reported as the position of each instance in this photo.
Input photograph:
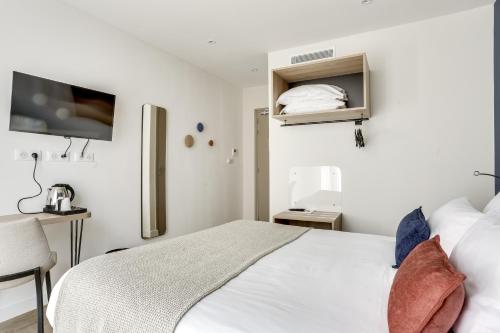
(315, 220)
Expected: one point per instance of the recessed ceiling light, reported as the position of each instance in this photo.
(212, 42)
(366, 2)
(254, 70)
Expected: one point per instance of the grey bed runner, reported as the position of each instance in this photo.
(149, 288)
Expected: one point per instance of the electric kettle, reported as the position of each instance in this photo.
(58, 192)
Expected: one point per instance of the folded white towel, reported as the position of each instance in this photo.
(311, 91)
(313, 105)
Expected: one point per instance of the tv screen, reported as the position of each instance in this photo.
(49, 107)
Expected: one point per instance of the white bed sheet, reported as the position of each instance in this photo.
(325, 281)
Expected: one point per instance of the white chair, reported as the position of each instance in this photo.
(24, 256)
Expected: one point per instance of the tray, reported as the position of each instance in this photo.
(74, 210)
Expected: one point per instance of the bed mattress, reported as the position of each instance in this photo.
(325, 281)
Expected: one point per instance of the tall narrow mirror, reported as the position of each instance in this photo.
(153, 167)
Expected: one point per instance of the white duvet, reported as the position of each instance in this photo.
(325, 281)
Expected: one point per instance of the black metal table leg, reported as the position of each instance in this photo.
(71, 239)
(76, 242)
(75, 253)
(80, 241)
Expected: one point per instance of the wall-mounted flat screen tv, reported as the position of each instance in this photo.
(49, 107)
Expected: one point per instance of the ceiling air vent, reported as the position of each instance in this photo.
(312, 56)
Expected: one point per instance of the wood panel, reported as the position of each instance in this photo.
(322, 68)
(316, 220)
(327, 115)
(46, 218)
(366, 86)
(161, 158)
(279, 87)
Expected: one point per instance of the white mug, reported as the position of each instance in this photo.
(65, 205)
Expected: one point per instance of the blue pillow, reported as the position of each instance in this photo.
(412, 230)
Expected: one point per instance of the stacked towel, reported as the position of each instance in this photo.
(311, 98)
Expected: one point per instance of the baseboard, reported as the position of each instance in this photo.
(27, 322)
(17, 309)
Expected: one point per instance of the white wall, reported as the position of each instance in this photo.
(49, 39)
(253, 98)
(432, 124)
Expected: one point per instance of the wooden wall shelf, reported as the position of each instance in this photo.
(351, 73)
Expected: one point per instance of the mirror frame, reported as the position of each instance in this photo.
(153, 171)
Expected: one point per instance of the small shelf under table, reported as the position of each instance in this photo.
(316, 220)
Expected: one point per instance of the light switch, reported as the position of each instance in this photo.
(56, 156)
(87, 157)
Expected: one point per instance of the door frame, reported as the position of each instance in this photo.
(257, 112)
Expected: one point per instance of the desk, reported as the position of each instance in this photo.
(46, 219)
(316, 220)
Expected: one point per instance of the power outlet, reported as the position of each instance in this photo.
(26, 154)
(88, 157)
(56, 156)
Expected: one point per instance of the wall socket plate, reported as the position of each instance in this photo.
(56, 156)
(88, 157)
(25, 154)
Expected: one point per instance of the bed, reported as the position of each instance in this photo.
(323, 281)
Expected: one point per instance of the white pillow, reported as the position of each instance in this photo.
(311, 91)
(313, 105)
(477, 255)
(452, 221)
(493, 205)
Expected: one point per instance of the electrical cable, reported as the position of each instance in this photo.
(477, 173)
(35, 156)
(84, 147)
(65, 155)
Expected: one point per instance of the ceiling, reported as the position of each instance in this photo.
(245, 30)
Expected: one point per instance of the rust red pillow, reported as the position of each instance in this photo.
(447, 315)
(427, 294)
